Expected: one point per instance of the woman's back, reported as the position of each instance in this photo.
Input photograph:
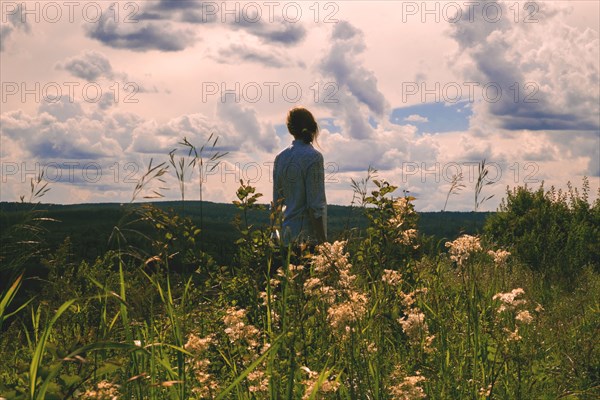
(299, 183)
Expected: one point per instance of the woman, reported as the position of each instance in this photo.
(299, 182)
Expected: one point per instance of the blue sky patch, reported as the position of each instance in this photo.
(434, 117)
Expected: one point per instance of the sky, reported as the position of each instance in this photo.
(95, 91)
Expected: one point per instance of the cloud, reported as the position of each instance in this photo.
(90, 66)
(155, 27)
(63, 110)
(547, 71)
(416, 118)
(277, 32)
(245, 127)
(342, 63)
(151, 137)
(94, 66)
(356, 96)
(13, 23)
(140, 36)
(54, 134)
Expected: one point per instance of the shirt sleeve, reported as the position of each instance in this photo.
(315, 187)
(276, 188)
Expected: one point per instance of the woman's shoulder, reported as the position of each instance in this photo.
(316, 152)
(314, 155)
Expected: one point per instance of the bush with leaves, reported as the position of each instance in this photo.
(552, 231)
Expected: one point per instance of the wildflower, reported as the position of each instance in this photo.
(293, 271)
(196, 345)
(539, 308)
(408, 238)
(485, 392)
(259, 382)
(409, 299)
(275, 282)
(344, 314)
(499, 256)
(105, 391)
(296, 268)
(311, 284)
(509, 300)
(403, 206)
(408, 388)
(310, 383)
(330, 255)
(236, 328)
(371, 348)
(206, 384)
(414, 325)
(513, 336)
(524, 316)
(333, 284)
(461, 248)
(391, 277)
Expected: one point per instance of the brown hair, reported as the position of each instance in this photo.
(302, 125)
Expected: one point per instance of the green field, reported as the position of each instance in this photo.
(171, 300)
(89, 226)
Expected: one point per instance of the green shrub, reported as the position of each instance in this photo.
(551, 231)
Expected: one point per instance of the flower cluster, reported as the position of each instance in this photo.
(461, 248)
(414, 324)
(512, 304)
(259, 381)
(247, 338)
(333, 283)
(401, 222)
(271, 296)
(311, 382)
(408, 238)
(499, 256)
(392, 277)
(198, 346)
(408, 388)
(509, 300)
(403, 206)
(237, 330)
(104, 391)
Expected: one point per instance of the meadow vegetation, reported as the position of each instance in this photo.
(381, 312)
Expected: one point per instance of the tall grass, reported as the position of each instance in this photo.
(371, 316)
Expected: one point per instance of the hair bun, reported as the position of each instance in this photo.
(306, 135)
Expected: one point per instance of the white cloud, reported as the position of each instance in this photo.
(12, 22)
(416, 118)
(555, 139)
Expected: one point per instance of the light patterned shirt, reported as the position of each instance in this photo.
(299, 180)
